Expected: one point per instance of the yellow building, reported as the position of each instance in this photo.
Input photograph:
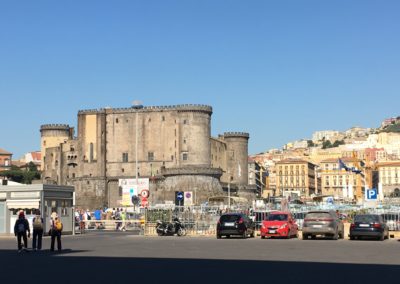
(338, 182)
(295, 176)
(389, 178)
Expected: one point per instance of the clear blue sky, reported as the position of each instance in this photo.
(279, 70)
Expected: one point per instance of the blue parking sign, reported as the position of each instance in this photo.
(371, 194)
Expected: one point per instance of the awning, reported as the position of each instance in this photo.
(23, 204)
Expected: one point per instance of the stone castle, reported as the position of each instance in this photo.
(175, 151)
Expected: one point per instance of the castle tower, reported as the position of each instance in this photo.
(237, 156)
(52, 135)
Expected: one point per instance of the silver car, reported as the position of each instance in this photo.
(323, 223)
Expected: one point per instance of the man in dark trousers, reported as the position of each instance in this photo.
(20, 229)
(37, 224)
(55, 231)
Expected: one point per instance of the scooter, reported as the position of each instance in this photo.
(171, 229)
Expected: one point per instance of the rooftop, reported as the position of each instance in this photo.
(4, 152)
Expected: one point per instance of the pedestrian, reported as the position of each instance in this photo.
(20, 228)
(118, 218)
(55, 231)
(123, 218)
(37, 224)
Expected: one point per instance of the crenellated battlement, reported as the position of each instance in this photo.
(183, 107)
(236, 135)
(61, 127)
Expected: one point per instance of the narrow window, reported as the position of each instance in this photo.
(125, 157)
(150, 156)
(185, 156)
(91, 152)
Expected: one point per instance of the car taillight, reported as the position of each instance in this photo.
(241, 221)
(378, 226)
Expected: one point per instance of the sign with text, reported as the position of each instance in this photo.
(371, 194)
(131, 188)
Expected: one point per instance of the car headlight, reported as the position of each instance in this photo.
(283, 227)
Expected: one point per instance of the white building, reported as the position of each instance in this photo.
(327, 134)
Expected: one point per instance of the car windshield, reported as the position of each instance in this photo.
(366, 218)
(277, 217)
(318, 215)
(230, 218)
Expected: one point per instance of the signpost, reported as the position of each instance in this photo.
(371, 194)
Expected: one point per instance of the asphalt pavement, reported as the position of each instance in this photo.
(123, 257)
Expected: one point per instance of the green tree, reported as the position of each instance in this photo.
(337, 143)
(310, 143)
(19, 175)
(326, 144)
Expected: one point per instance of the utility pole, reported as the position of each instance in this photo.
(137, 105)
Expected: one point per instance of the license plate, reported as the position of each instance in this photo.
(317, 226)
(229, 224)
(364, 225)
(271, 232)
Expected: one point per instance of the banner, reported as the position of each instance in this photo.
(130, 188)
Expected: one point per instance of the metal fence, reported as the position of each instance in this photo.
(202, 221)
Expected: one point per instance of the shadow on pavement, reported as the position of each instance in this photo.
(48, 267)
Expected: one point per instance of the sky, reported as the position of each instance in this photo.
(279, 70)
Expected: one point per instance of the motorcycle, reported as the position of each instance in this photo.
(171, 229)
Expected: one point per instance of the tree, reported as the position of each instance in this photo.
(337, 143)
(22, 176)
(326, 144)
(310, 143)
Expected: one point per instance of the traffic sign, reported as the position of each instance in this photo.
(371, 194)
(180, 196)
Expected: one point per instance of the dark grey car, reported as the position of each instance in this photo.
(323, 223)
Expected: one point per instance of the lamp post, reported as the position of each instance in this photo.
(137, 105)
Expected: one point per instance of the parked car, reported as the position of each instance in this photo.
(370, 226)
(279, 224)
(323, 223)
(235, 224)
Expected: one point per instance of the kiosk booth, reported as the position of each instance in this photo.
(29, 198)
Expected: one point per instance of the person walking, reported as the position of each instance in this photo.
(20, 228)
(55, 231)
(123, 218)
(37, 224)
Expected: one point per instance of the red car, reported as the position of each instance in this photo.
(279, 224)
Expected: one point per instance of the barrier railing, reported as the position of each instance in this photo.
(109, 225)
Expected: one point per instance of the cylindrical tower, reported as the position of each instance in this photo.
(237, 156)
(52, 135)
(195, 134)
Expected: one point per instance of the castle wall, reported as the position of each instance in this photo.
(175, 137)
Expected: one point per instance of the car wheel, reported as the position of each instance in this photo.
(305, 237)
(382, 238)
(244, 236)
(352, 238)
(263, 237)
(289, 235)
(218, 236)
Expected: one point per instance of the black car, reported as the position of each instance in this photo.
(235, 224)
(371, 226)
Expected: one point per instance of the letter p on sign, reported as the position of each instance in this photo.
(372, 194)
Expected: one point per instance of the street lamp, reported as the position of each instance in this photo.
(137, 105)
